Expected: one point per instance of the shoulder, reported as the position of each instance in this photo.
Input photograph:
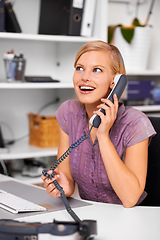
(70, 109)
(134, 124)
(131, 116)
(71, 106)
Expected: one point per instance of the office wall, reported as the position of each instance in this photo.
(125, 13)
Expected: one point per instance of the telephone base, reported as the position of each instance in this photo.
(84, 230)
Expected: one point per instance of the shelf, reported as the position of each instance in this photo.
(24, 85)
(22, 150)
(148, 108)
(145, 73)
(41, 37)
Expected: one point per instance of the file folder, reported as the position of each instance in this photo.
(11, 22)
(61, 17)
(76, 13)
(2, 16)
(88, 18)
(2, 145)
(54, 17)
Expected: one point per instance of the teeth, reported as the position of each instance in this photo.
(86, 88)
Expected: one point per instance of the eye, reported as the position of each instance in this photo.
(79, 68)
(97, 70)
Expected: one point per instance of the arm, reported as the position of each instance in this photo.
(128, 178)
(62, 173)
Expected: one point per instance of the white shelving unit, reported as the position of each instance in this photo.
(45, 55)
(22, 150)
(148, 108)
(42, 37)
(25, 85)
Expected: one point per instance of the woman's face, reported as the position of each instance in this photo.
(93, 77)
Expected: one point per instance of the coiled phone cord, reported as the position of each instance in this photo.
(54, 166)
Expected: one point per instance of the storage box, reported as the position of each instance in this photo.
(43, 131)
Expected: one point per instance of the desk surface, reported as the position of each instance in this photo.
(113, 221)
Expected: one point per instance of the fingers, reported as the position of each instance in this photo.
(109, 103)
(52, 190)
(50, 172)
(43, 176)
(49, 185)
(109, 107)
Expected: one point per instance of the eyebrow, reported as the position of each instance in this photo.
(94, 66)
(99, 66)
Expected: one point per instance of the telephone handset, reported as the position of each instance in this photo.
(120, 82)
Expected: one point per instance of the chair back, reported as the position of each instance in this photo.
(153, 174)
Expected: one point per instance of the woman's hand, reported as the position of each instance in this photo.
(111, 114)
(62, 180)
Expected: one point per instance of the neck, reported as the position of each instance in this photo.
(90, 108)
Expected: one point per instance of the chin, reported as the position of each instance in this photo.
(87, 100)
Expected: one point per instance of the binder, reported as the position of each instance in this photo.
(2, 16)
(54, 17)
(2, 145)
(60, 17)
(88, 18)
(11, 22)
(76, 12)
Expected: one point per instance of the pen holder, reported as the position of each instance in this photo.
(15, 69)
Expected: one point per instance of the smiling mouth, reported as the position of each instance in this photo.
(86, 88)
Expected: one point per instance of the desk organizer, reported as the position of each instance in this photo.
(43, 131)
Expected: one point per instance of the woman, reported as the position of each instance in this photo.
(111, 165)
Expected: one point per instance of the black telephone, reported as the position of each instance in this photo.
(120, 82)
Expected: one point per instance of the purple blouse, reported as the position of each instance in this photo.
(86, 164)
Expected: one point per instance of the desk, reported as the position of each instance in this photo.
(114, 222)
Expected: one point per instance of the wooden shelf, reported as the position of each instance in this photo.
(22, 150)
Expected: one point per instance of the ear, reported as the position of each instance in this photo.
(112, 82)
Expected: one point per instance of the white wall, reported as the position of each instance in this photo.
(120, 13)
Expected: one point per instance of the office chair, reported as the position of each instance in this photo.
(153, 174)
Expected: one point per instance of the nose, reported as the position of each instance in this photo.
(86, 75)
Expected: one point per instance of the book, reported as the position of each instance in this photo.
(11, 22)
(2, 16)
(139, 90)
(88, 18)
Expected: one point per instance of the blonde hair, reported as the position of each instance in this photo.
(117, 63)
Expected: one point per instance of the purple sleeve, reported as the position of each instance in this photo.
(139, 131)
(62, 116)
